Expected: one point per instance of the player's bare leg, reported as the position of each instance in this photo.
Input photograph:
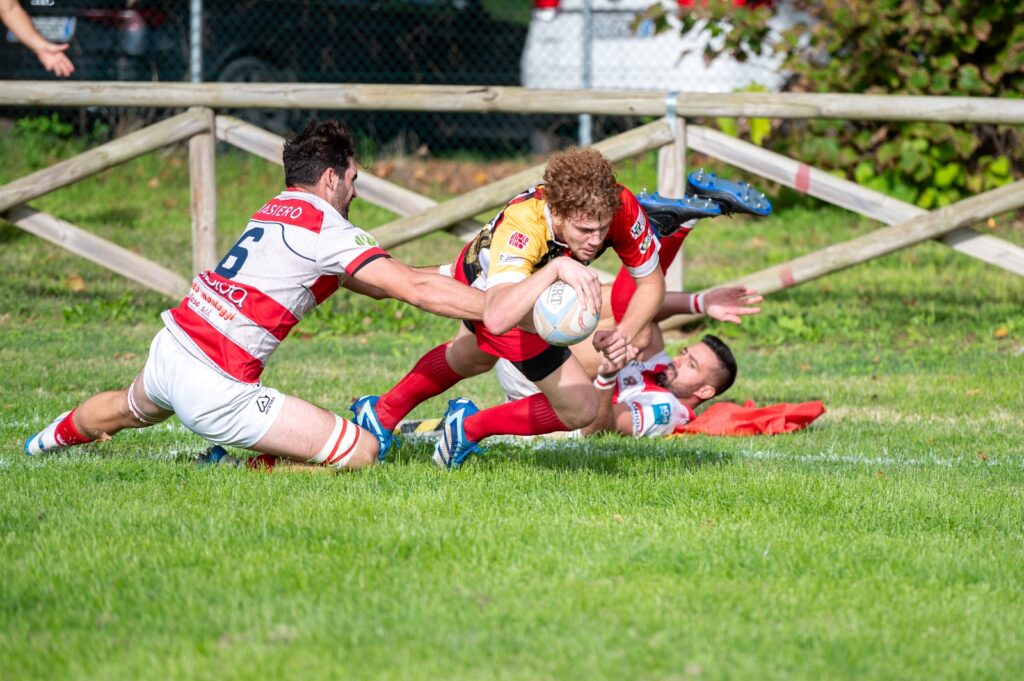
(306, 433)
(100, 416)
(571, 394)
(464, 356)
(110, 412)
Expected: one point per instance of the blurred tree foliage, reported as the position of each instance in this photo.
(913, 47)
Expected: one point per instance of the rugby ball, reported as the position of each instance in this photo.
(560, 318)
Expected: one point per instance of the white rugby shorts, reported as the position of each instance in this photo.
(516, 385)
(209, 403)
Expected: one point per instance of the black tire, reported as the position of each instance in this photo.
(255, 70)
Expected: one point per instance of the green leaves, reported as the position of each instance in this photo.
(952, 48)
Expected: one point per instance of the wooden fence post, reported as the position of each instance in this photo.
(672, 183)
(201, 153)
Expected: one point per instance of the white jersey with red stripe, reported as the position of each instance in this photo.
(655, 410)
(294, 253)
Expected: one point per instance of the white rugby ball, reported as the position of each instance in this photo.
(560, 317)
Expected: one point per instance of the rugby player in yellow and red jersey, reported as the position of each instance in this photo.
(549, 232)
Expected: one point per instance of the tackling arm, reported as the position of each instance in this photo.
(431, 292)
(362, 288)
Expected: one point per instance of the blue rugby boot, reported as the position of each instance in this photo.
(216, 456)
(733, 197)
(668, 216)
(454, 447)
(364, 414)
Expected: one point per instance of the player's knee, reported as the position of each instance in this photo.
(348, 447)
(131, 413)
(365, 454)
(581, 411)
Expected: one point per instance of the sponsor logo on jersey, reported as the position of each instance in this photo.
(646, 243)
(662, 413)
(630, 380)
(506, 259)
(365, 240)
(226, 289)
(639, 226)
(263, 403)
(518, 240)
(638, 418)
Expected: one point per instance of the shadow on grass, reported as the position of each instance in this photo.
(612, 455)
(605, 454)
(10, 234)
(115, 216)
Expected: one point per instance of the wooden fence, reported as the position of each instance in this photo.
(200, 125)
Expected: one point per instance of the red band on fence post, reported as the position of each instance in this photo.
(786, 277)
(803, 178)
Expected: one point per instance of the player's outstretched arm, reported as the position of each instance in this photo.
(364, 289)
(726, 304)
(426, 290)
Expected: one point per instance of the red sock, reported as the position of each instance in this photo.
(431, 376)
(263, 462)
(66, 434)
(531, 415)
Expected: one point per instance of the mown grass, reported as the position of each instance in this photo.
(883, 542)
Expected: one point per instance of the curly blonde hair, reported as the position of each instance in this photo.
(580, 183)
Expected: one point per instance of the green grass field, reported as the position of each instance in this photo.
(886, 541)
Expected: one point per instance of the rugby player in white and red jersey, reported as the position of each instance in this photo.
(550, 232)
(652, 395)
(205, 364)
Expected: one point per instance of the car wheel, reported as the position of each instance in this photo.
(255, 70)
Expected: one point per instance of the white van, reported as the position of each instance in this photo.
(623, 58)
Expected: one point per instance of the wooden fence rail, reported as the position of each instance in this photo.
(87, 164)
(190, 125)
(849, 195)
(878, 243)
(422, 215)
(346, 97)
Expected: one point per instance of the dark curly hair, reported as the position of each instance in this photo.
(580, 182)
(320, 145)
(725, 376)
